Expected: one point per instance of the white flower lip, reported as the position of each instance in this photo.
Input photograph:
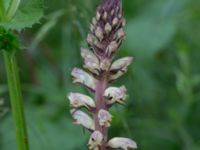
(115, 95)
(105, 118)
(78, 100)
(91, 62)
(82, 77)
(123, 143)
(121, 64)
(95, 141)
(83, 119)
(120, 67)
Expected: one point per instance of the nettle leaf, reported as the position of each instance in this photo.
(29, 13)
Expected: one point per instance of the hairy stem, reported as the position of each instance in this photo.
(101, 104)
(16, 99)
(15, 90)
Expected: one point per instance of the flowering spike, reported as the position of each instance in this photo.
(96, 140)
(83, 119)
(84, 78)
(105, 118)
(123, 143)
(105, 37)
(115, 95)
(78, 100)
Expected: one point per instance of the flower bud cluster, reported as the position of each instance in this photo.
(104, 39)
(107, 29)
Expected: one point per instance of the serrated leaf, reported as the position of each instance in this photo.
(29, 13)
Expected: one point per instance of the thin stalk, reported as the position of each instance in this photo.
(16, 99)
(15, 91)
(2, 11)
(101, 104)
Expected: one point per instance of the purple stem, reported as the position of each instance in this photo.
(101, 104)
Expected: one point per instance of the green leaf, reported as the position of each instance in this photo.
(29, 13)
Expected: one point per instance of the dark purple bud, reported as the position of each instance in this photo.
(107, 28)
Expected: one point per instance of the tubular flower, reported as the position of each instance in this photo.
(84, 78)
(91, 61)
(115, 95)
(105, 118)
(121, 64)
(83, 119)
(105, 37)
(123, 143)
(120, 67)
(79, 100)
(96, 140)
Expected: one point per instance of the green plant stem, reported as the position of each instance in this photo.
(2, 11)
(15, 91)
(16, 99)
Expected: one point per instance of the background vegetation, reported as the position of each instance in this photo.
(163, 83)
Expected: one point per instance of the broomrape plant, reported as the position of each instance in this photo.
(104, 39)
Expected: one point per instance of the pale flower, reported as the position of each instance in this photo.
(95, 141)
(115, 95)
(119, 67)
(105, 118)
(79, 100)
(82, 77)
(83, 119)
(122, 143)
(121, 64)
(91, 62)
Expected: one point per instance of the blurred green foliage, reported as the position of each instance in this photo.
(163, 83)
